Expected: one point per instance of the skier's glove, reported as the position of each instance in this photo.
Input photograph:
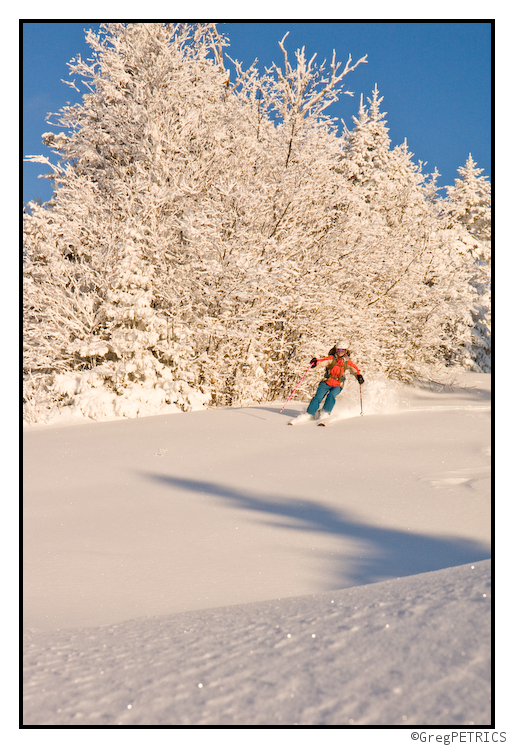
(314, 362)
(360, 379)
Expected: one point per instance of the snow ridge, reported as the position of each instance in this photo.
(412, 651)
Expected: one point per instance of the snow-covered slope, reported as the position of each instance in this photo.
(197, 518)
(412, 651)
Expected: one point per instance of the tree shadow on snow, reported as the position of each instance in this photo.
(386, 553)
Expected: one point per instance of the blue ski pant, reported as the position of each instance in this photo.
(323, 391)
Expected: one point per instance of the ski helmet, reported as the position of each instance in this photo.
(342, 346)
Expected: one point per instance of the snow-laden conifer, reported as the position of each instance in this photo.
(469, 200)
(468, 213)
(409, 285)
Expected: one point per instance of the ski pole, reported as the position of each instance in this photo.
(299, 383)
(360, 392)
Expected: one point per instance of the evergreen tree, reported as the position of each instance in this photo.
(469, 201)
(137, 154)
(467, 211)
(407, 284)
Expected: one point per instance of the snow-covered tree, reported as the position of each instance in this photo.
(469, 200)
(135, 159)
(407, 287)
(210, 231)
(468, 214)
(190, 195)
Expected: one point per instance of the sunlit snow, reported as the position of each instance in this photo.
(218, 567)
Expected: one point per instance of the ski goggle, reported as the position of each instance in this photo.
(341, 350)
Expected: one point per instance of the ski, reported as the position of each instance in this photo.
(298, 421)
(303, 418)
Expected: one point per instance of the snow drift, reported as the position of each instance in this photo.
(413, 651)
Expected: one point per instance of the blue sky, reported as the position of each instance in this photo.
(435, 78)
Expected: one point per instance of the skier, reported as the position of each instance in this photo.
(328, 389)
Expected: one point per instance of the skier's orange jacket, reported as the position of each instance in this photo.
(337, 370)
